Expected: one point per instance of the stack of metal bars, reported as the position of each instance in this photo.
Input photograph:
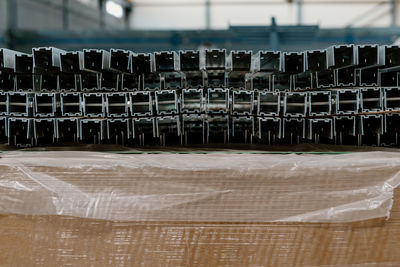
(345, 94)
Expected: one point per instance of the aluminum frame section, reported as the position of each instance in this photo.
(261, 81)
(268, 103)
(46, 58)
(293, 62)
(303, 81)
(346, 77)
(189, 61)
(192, 101)
(141, 103)
(321, 127)
(45, 104)
(67, 130)
(120, 60)
(171, 80)
(242, 102)
(240, 61)
(368, 56)
(20, 128)
(24, 80)
(93, 104)
(166, 102)
(166, 61)
(129, 82)
(375, 120)
(3, 128)
(271, 126)
(388, 79)
(217, 124)
(143, 126)
(391, 98)
(316, 60)
(320, 103)
(87, 127)
(167, 124)
(19, 104)
(325, 79)
(117, 104)
(347, 101)
(44, 128)
(242, 122)
(369, 77)
(71, 104)
(389, 57)
(46, 83)
(345, 124)
(217, 100)
(214, 59)
(267, 61)
(298, 125)
(72, 61)
(342, 56)
(193, 123)
(118, 124)
(142, 63)
(295, 104)
(96, 60)
(281, 82)
(371, 100)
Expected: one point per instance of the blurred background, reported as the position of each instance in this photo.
(154, 25)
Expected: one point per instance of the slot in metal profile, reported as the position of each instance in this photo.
(46, 59)
(293, 62)
(118, 129)
(321, 127)
(316, 60)
(267, 61)
(295, 104)
(191, 101)
(45, 104)
(242, 102)
(141, 103)
(120, 60)
(320, 103)
(166, 102)
(342, 56)
(96, 60)
(93, 104)
(391, 98)
(371, 99)
(117, 104)
(347, 101)
(19, 104)
(270, 129)
(268, 103)
(217, 100)
(92, 129)
(67, 129)
(71, 104)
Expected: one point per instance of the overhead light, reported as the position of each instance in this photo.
(114, 9)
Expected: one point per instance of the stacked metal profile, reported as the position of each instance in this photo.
(345, 94)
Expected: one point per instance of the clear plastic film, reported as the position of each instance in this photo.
(215, 187)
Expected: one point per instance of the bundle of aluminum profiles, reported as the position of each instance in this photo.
(344, 94)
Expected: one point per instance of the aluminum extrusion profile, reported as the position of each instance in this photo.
(92, 130)
(119, 130)
(45, 104)
(242, 102)
(67, 129)
(117, 104)
(268, 103)
(20, 131)
(371, 100)
(270, 129)
(347, 101)
(192, 101)
(71, 104)
(316, 60)
(320, 103)
(342, 56)
(19, 104)
(166, 102)
(217, 100)
(46, 59)
(141, 103)
(293, 62)
(391, 98)
(94, 104)
(321, 128)
(295, 104)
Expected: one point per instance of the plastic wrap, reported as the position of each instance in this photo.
(216, 187)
